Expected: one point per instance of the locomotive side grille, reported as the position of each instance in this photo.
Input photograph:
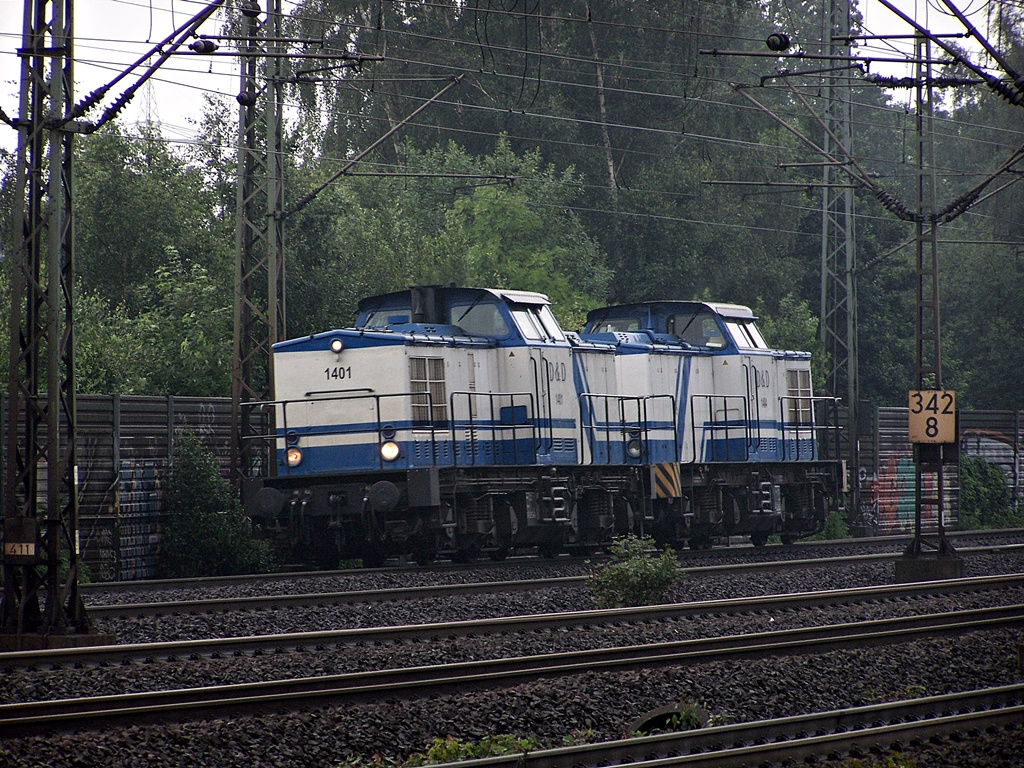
(425, 452)
(798, 387)
(426, 375)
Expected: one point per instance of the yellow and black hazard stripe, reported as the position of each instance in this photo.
(666, 480)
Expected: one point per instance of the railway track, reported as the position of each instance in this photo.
(883, 547)
(278, 643)
(39, 717)
(854, 732)
(352, 597)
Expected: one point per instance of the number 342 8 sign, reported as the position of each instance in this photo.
(932, 415)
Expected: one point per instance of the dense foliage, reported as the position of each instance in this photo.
(635, 575)
(985, 498)
(582, 153)
(204, 532)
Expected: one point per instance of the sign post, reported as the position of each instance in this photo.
(933, 432)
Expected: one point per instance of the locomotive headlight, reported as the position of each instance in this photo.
(634, 448)
(336, 345)
(389, 451)
(293, 456)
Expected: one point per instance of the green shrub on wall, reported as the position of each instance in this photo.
(985, 500)
(205, 533)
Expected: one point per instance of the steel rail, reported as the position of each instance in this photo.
(178, 649)
(899, 542)
(855, 731)
(26, 718)
(270, 602)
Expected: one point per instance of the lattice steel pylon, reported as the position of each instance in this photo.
(41, 526)
(259, 256)
(930, 460)
(838, 239)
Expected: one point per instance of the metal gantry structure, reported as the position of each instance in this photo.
(838, 237)
(40, 604)
(259, 247)
(930, 460)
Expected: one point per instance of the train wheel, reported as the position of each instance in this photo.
(549, 551)
(759, 538)
(373, 557)
(465, 555)
(423, 556)
(700, 537)
(498, 554)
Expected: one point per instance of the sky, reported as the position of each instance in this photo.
(111, 34)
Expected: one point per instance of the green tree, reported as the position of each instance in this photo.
(111, 351)
(190, 322)
(205, 532)
(365, 236)
(133, 200)
(181, 344)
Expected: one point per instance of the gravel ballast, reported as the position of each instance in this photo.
(600, 704)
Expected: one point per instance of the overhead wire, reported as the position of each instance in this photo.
(753, 145)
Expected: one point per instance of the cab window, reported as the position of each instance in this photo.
(550, 324)
(746, 335)
(480, 320)
(529, 324)
(617, 325)
(382, 318)
(701, 330)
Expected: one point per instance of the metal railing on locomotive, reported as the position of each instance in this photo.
(639, 428)
(808, 421)
(712, 428)
(509, 421)
(270, 438)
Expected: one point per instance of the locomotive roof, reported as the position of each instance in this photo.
(724, 309)
(403, 298)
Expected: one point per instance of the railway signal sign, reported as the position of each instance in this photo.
(932, 416)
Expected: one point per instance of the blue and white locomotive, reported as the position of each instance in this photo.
(464, 421)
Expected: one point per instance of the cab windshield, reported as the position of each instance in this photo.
(536, 322)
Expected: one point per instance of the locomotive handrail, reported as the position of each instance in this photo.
(757, 404)
(643, 425)
(813, 426)
(282, 432)
(538, 441)
(712, 425)
(341, 393)
(494, 425)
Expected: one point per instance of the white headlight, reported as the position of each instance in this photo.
(336, 345)
(294, 456)
(389, 451)
(634, 448)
